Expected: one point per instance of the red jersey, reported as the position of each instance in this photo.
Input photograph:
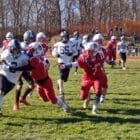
(111, 45)
(104, 55)
(45, 47)
(39, 71)
(5, 43)
(91, 66)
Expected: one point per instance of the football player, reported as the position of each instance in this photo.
(39, 72)
(10, 57)
(77, 44)
(104, 56)
(28, 37)
(63, 50)
(41, 37)
(9, 36)
(91, 63)
(123, 48)
(111, 47)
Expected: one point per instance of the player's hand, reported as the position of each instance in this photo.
(47, 63)
(2, 61)
(58, 55)
(69, 54)
(62, 66)
(12, 69)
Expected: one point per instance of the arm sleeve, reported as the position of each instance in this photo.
(22, 68)
(73, 64)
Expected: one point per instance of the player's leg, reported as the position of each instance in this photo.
(84, 93)
(113, 57)
(5, 87)
(41, 93)
(123, 61)
(49, 92)
(18, 92)
(63, 77)
(104, 86)
(29, 88)
(76, 68)
(97, 89)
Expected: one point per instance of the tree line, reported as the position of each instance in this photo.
(50, 16)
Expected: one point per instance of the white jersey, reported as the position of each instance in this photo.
(84, 42)
(77, 44)
(122, 46)
(11, 61)
(64, 51)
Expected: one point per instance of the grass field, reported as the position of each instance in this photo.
(118, 118)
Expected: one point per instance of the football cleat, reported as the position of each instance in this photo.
(124, 68)
(85, 104)
(62, 104)
(30, 94)
(1, 112)
(16, 107)
(102, 98)
(94, 112)
(75, 73)
(24, 101)
(119, 63)
(67, 110)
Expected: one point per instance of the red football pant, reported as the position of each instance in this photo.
(112, 55)
(46, 91)
(104, 81)
(86, 85)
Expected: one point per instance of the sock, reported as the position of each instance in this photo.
(27, 91)
(18, 92)
(96, 102)
(1, 100)
(61, 103)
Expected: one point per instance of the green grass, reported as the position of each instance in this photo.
(118, 118)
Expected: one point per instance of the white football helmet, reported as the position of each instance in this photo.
(85, 37)
(98, 37)
(122, 37)
(113, 37)
(89, 46)
(14, 48)
(40, 36)
(35, 49)
(29, 36)
(64, 36)
(92, 47)
(9, 36)
(76, 34)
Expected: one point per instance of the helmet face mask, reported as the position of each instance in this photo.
(113, 39)
(76, 34)
(64, 36)
(14, 48)
(9, 36)
(122, 37)
(91, 49)
(98, 38)
(40, 37)
(15, 52)
(35, 49)
(29, 36)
